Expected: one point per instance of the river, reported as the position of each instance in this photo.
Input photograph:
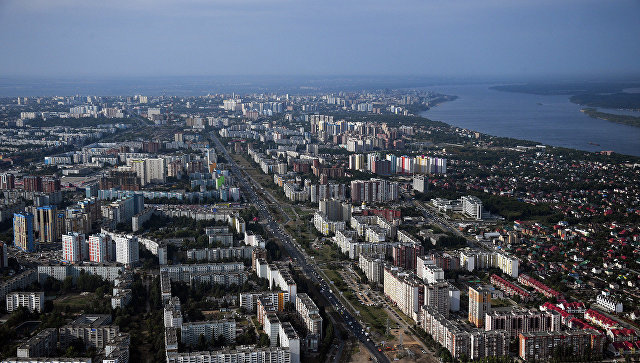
(551, 120)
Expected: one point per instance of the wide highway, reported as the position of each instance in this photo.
(297, 255)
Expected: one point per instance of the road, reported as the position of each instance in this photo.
(435, 218)
(298, 256)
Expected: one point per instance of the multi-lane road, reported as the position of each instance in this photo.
(297, 255)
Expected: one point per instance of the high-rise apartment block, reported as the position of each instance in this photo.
(7, 181)
(32, 183)
(23, 235)
(126, 249)
(523, 321)
(50, 184)
(374, 191)
(4, 259)
(479, 305)
(48, 224)
(540, 346)
(406, 255)
(420, 183)
(150, 170)
(74, 247)
(373, 267)
(101, 248)
(309, 314)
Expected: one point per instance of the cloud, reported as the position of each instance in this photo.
(151, 6)
(303, 36)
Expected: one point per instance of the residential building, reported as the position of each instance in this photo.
(101, 248)
(405, 290)
(109, 272)
(240, 354)
(609, 303)
(519, 321)
(541, 345)
(472, 206)
(373, 267)
(74, 247)
(479, 305)
(310, 314)
(127, 250)
(23, 236)
(509, 288)
(17, 282)
(7, 181)
(374, 191)
(461, 341)
(213, 329)
(42, 344)
(95, 331)
(406, 255)
(47, 224)
(437, 295)
(420, 183)
(4, 258)
(34, 301)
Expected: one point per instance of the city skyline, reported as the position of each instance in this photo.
(293, 181)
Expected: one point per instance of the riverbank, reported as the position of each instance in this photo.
(546, 119)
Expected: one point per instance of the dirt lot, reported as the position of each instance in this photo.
(361, 356)
(407, 349)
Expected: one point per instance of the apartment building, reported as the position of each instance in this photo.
(408, 292)
(460, 341)
(374, 191)
(519, 321)
(509, 288)
(74, 247)
(310, 314)
(40, 345)
(127, 249)
(541, 345)
(249, 300)
(240, 354)
(94, 330)
(213, 329)
(34, 301)
(609, 303)
(373, 267)
(479, 305)
(437, 295)
(101, 248)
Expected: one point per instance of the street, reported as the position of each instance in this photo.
(299, 257)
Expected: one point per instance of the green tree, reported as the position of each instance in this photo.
(264, 340)
(67, 284)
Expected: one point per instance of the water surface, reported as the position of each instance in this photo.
(551, 120)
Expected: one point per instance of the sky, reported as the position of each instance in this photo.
(460, 38)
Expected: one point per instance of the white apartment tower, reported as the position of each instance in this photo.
(127, 250)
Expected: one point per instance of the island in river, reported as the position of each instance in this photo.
(616, 96)
(593, 94)
(619, 119)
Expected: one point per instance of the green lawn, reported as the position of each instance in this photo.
(75, 302)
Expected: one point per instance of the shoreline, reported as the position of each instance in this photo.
(525, 141)
(618, 119)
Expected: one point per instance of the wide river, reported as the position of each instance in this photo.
(551, 120)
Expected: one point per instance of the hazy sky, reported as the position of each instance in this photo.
(62, 38)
